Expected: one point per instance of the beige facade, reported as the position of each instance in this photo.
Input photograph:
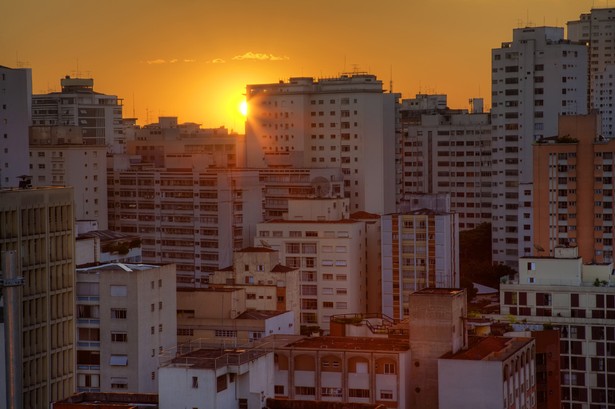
(436, 328)
(269, 285)
(329, 249)
(38, 224)
(573, 190)
(126, 316)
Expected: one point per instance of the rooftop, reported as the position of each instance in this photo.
(258, 314)
(107, 235)
(118, 267)
(351, 343)
(256, 250)
(106, 400)
(491, 349)
(444, 291)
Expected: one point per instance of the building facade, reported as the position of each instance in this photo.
(16, 102)
(535, 78)
(347, 122)
(126, 316)
(38, 223)
(98, 115)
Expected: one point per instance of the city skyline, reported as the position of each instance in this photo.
(194, 60)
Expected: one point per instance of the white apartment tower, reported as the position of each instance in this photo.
(15, 103)
(535, 78)
(98, 115)
(597, 30)
(347, 122)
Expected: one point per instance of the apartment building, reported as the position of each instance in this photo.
(420, 249)
(191, 216)
(448, 151)
(536, 77)
(221, 316)
(347, 122)
(329, 250)
(573, 190)
(269, 284)
(59, 157)
(495, 372)
(597, 30)
(578, 299)
(16, 102)
(344, 369)
(126, 316)
(37, 223)
(77, 104)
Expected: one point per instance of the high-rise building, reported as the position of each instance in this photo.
(347, 122)
(563, 292)
(58, 157)
(597, 30)
(420, 249)
(98, 115)
(188, 215)
(126, 316)
(535, 78)
(329, 249)
(448, 151)
(16, 101)
(573, 190)
(38, 223)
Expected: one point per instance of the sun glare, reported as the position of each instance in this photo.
(243, 108)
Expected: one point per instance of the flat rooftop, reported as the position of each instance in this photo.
(351, 343)
(443, 291)
(491, 348)
(118, 267)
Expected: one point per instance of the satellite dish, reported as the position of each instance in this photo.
(320, 187)
(265, 244)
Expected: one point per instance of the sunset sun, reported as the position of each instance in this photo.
(243, 108)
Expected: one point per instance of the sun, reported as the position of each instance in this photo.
(243, 108)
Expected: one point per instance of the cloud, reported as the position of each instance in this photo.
(189, 60)
(171, 61)
(216, 61)
(158, 61)
(260, 56)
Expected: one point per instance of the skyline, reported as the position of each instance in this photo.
(194, 60)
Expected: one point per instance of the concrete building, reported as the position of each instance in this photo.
(220, 316)
(344, 369)
(420, 249)
(579, 299)
(448, 151)
(269, 284)
(573, 190)
(16, 102)
(192, 217)
(347, 122)
(204, 376)
(596, 29)
(535, 78)
(126, 316)
(98, 115)
(59, 157)
(436, 328)
(496, 372)
(329, 249)
(38, 224)
(106, 246)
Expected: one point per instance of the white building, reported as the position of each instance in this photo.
(329, 249)
(15, 101)
(346, 122)
(535, 78)
(126, 316)
(193, 217)
(98, 115)
(579, 299)
(449, 151)
(597, 30)
(59, 157)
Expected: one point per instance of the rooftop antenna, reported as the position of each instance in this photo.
(391, 81)
(134, 115)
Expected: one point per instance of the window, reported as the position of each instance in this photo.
(88, 381)
(386, 394)
(221, 383)
(119, 383)
(225, 333)
(358, 393)
(118, 360)
(388, 368)
(118, 291)
(119, 337)
(118, 313)
(305, 390)
(278, 389)
(195, 382)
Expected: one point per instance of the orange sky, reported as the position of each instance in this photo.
(193, 58)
